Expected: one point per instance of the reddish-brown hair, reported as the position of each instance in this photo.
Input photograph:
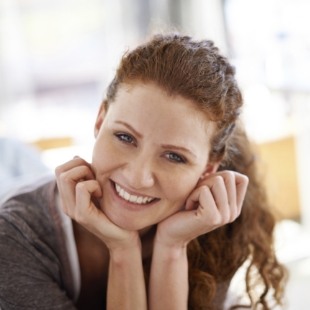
(196, 70)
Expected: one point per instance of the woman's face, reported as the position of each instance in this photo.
(150, 151)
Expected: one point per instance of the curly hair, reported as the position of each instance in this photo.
(196, 70)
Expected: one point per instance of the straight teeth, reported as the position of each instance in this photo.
(132, 198)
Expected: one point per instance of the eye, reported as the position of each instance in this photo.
(125, 138)
(174, 157)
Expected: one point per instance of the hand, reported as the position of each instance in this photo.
(79, 193)
(217, 200)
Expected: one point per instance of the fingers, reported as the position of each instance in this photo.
(68, 176)
(79, 193)
(74, 163)
(217, 200)
(84, 191)
(219, 197)
(242, 183)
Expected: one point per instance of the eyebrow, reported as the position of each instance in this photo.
(130, 128)
(164, 146)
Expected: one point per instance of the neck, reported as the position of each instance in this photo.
(147, 239)
(87, 240)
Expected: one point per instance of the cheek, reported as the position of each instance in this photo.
(180, 187)
(104, 157)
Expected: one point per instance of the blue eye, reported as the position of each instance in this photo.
(175, 158)
(126, 138)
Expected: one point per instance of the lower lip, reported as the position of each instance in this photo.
(127, 204)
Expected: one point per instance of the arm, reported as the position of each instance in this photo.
(30, 273)
(78, 191)
(126, 286)
(216, 201)
(169, 278)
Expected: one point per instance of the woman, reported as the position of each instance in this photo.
(167, 211)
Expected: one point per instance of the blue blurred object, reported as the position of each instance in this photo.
(19, 163)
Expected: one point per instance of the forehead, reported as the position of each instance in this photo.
(150, 92)
(148, 104)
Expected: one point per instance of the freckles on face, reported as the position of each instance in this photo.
(150, 147)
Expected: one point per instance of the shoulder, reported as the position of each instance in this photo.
(31, 268)
(30, 205)
(27, 216)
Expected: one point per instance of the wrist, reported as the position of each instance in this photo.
(123, 242)
(167, 242)
(123, 253)
(168, 251)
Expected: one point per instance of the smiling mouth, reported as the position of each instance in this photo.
(140, 200)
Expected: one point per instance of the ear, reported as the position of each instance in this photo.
(211, 167)
(100, 118)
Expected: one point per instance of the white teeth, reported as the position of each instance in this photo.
(132, 198)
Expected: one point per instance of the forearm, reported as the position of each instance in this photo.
(126, 284)
(168, 287)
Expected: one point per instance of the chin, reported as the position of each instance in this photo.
(123, 221)
(128, 224)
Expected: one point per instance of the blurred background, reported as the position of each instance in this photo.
(58, 56)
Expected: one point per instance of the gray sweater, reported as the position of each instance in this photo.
(35, 272)
(34, 266)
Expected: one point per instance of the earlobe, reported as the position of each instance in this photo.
(100, 118)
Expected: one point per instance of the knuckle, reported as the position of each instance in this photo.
(233, 217)
(80, 186)
(226, 219)
(218, 178)
(204, 189)
(62, 178)
(245, 179)
(229, 174)
(84, 169)
(217, 220)
(58, 170)
(235, 214)
(79, 217)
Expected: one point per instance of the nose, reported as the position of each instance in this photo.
(139, 173)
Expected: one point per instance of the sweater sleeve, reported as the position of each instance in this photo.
(29, 273)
